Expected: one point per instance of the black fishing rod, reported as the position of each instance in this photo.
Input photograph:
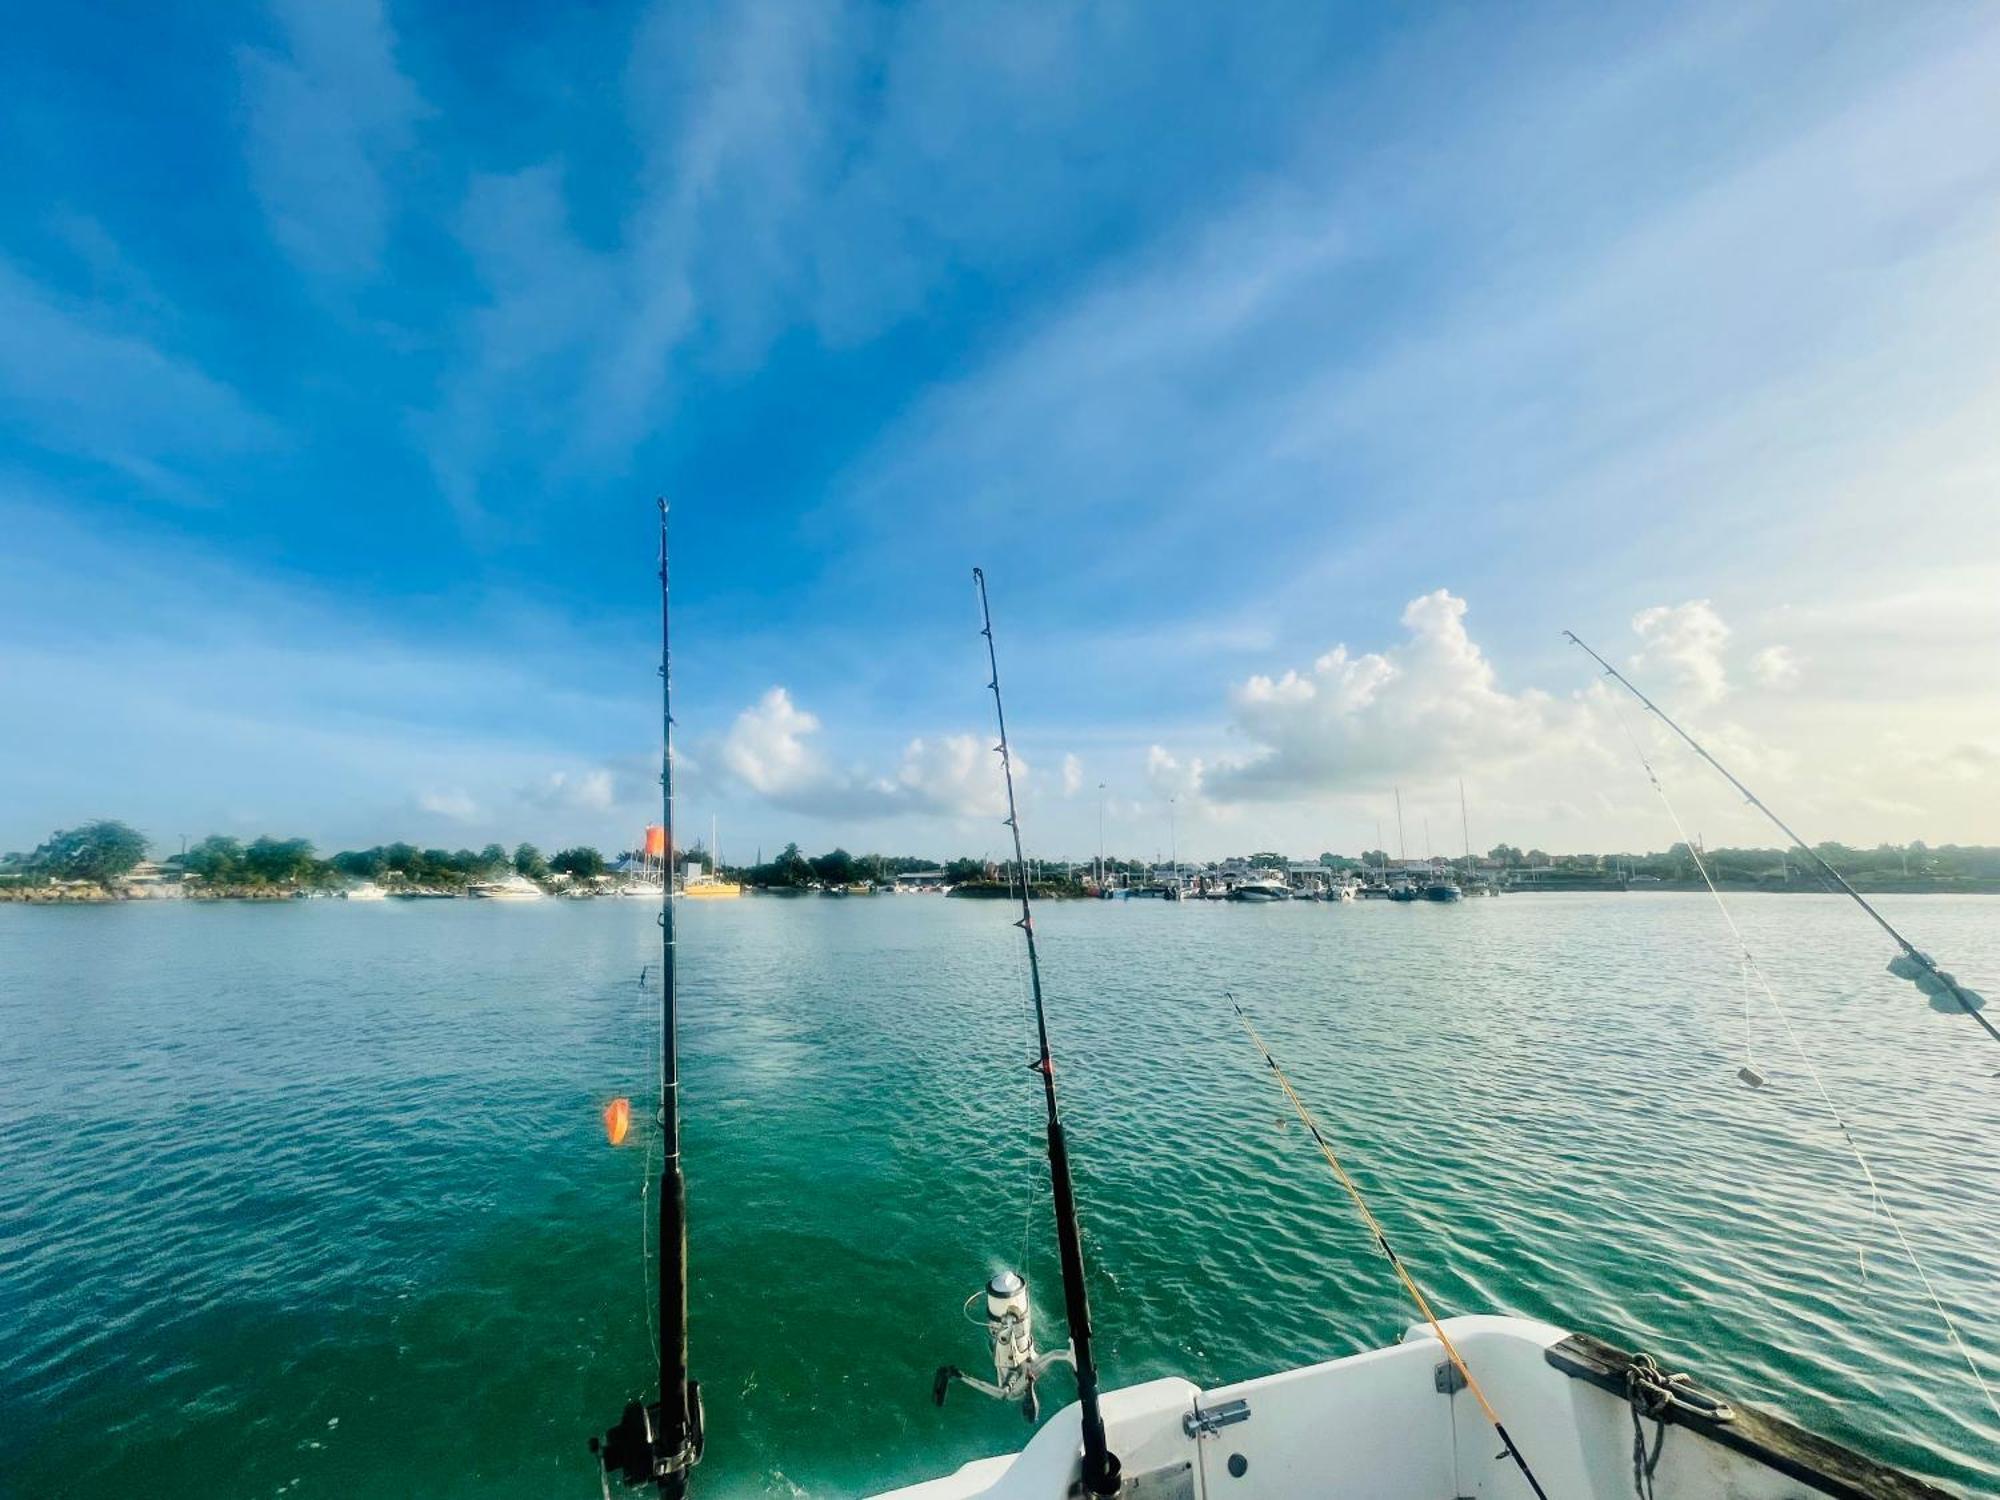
(1100, 1464)
(660, 1443)
(1925, 967)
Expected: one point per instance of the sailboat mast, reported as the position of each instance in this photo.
(1100, 807)
(1465, 827)
(1100, 1465)
(1402, 844)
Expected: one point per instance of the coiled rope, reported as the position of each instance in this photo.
(1382, 1242)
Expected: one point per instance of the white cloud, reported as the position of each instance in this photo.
(579, 791)
(771, 749)
(1775, 667)
(1687, 642)
(1349, 722)
(1170, 777)
(110, 395)
(1072, 776)
(768, 750)
(954, 775)
(325, 121)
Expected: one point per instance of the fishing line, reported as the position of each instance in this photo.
(1878, 1204)
(646, 1254)
(1024, 989)
(1382, 1241)
(1034, 1174)
(1917, 966)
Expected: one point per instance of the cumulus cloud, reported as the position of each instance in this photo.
(768, 748)
(1072, 776)
(772, 749)
(1349, 722)
(1775, 667)
(1686, 641)
(1169, 776)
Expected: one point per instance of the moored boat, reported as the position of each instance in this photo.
(1259, 890)
(514, 888)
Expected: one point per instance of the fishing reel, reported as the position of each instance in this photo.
(636, 1452)
(1010, 1332)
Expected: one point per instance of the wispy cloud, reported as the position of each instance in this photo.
(75, 380)
(329, 116)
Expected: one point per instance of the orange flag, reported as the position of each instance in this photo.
(617, 1119)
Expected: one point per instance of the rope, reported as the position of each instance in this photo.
(1382, 1241)
(1652, 1392)
(1879, 1205)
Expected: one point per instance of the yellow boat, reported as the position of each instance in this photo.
(711, 890)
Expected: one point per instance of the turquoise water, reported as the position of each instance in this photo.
(314, 1198)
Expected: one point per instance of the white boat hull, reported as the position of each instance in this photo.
(1387, 1425)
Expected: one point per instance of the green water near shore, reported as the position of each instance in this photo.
(314, 1199)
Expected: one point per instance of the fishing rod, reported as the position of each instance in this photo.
(1100, 1464)
(659, 1443)
(1916, 966)
(1382, 1242)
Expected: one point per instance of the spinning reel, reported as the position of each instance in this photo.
(1017, 1365)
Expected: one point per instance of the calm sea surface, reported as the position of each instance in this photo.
(314, 1199)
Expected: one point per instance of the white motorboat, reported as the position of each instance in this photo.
(513, 888)
(1259, 890)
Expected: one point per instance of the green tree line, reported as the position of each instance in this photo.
(106, 851)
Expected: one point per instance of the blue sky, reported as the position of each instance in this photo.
(1297, 373)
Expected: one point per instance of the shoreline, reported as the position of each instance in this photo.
(268, 895)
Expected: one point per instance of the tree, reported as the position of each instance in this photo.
(272, 861)
(582, 862)
(493, 860)
(959, 871)
(216, 859)
(528, 862)
(835, 868)
(362, 864)
(100, 851)
(790, 868)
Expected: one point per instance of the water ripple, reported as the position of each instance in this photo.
(315, 1199)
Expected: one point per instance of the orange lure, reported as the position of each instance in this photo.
(617, 1120)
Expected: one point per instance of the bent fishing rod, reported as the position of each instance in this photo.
(1100, 1464)
(660, 1443)
(1382, 1243)
(1925, 968)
